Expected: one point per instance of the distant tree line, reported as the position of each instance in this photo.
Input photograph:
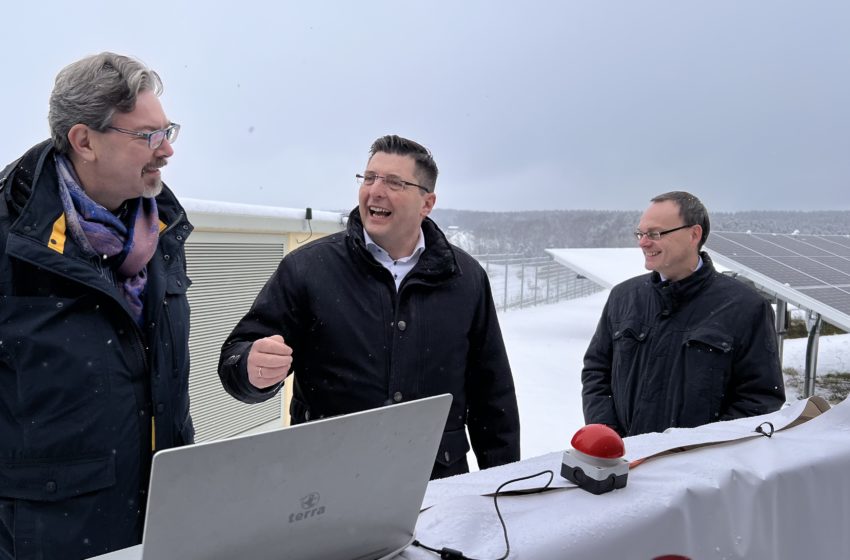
(529, 233)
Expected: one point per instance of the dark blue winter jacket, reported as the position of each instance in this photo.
(82, 386)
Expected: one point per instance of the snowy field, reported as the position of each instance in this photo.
(546, 345)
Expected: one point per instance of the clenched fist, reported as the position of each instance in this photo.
(268, 361)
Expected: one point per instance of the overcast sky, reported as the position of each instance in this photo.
(525, 104)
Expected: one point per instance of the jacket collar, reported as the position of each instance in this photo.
(436, 262)
(33, 197)
(675, 294)
(38, 236)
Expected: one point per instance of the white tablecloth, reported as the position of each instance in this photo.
(784, 497)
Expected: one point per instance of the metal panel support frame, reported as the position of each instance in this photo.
(814, 324)
(781, 325)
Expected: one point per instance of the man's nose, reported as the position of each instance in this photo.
(375, 189)
(165, 149)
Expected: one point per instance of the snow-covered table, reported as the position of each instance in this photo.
(783, 497)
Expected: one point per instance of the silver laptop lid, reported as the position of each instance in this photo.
(348, 488)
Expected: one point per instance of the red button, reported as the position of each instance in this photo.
(598, 440)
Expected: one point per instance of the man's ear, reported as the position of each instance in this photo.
(696, 234)
(428, 204)
(80, 137)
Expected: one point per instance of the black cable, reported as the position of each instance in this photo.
(310, 225)
(452, 554)
(764, 432)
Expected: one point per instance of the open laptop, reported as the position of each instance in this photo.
(347, 488)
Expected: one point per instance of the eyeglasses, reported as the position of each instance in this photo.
(656, 235)
(391, 181)
(154, 138)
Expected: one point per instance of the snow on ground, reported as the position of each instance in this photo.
(833, 354)
(546, 346)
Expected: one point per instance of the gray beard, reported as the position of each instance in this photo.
(153, 191)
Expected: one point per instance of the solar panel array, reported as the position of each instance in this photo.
(817, 266)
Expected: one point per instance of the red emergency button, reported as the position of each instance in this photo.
(598, 440)
(596, 463)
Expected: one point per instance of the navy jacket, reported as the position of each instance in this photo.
(80, 381)
(681, 354)
(358, 343)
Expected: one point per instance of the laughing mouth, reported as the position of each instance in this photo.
(378, 211)
(652, 254)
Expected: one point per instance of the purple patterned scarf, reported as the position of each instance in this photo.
(126, 247)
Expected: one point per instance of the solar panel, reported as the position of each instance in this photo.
(808, 271)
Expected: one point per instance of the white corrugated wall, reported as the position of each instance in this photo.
(226, 278)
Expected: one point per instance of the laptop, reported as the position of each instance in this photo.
(348, 488)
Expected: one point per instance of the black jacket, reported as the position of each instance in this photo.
(681, 354)
(79, 380)
(358, 344)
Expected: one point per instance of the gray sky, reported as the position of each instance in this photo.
(525, 104)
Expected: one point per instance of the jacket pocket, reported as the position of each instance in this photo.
(711, 339)
(628, 339)
(54, 481)
(53, 500)
(708, 365)
(453, 447)
(631, 330)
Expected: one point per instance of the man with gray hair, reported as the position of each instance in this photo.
(683, 345)
(94, 320)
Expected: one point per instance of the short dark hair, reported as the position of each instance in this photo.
(691, 210)
(91, 90)
(426, 168)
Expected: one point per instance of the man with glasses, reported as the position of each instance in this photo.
(683, 345)
(385, 312)
(94, 321)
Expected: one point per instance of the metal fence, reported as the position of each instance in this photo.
(519, 281)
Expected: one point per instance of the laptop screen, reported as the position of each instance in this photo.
(348, 487)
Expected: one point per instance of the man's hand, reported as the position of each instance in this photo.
(268, 361)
